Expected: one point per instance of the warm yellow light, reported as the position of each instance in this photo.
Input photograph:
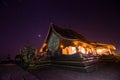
(81, 49)
(61, 46)
(69, 50)
(44, 44)
(64, 51)
(111, 47)
(76, 43)
(99, 50)
(73, 50)
(102, 51)
(41, 49)
(86, 48)
(84, 44)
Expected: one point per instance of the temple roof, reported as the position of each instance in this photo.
(68, 33)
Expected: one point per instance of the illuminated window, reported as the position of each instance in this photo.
(102, 51)
(64, 51)
(81, 49)
(73, 50)
(69, 50)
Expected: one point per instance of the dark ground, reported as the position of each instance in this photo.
(104, 71)
(14, 72)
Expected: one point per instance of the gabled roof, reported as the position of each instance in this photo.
(67, 33)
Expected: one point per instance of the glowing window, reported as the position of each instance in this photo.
(81, 49)
(69, 50)
(73, 50)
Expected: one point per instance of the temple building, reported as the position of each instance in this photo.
(67, 48)
(62, 41)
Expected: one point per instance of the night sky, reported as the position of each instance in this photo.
(23, 21)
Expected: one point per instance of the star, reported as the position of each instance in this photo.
(39, 35)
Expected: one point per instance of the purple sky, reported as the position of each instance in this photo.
(24, 20)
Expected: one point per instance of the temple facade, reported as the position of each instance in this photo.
(62, 41)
